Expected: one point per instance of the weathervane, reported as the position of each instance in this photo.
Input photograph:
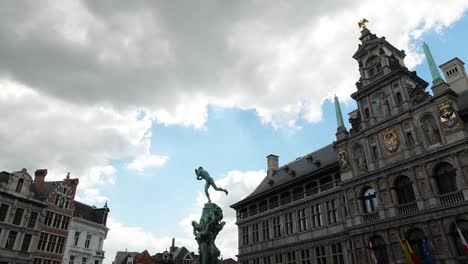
(362, 23)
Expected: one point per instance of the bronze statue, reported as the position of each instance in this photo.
(210, 224)
(203, 174)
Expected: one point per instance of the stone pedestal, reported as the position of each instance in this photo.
(206, 231)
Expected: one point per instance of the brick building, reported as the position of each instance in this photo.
(59, 196)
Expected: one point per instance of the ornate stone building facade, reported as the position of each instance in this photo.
(86, 235)
(20, 217)
(401, 171)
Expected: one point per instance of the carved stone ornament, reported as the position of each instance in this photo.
(448, 116)
(343, 158)
(391, 140)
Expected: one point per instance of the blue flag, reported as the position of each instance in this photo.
(428, 258)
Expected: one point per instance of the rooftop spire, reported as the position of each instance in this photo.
(432, 65)
(339, 116)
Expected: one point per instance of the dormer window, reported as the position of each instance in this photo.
(19, 186)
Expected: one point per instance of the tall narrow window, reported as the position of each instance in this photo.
(276, 226)
(72, 260)
(375, 152)
(288, 221)
(18, 216)
(32, 220)
(404, 190)
(291, 257)
(410, 138)
(367, 113)
(88, 240)
(305, 256)
(370, 200)
(10, 243)
(316, 216)
(446, 176)
(279, 259)
(266, 230)
(301, 220)
(26, 242)
(42, 241)
(266, 260)
(332, 211)
(77, 238)
(245, 235)
(52, 243)
(337, 253)
(60, 245)
(3, 211)
(48, 218)
(19, 186)
(399, 98)
(320, 256)
(255, 233)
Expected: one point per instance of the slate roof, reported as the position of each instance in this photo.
(4, 176)
(89, 213)
(49, 186)
(121, 256)
(301, 167)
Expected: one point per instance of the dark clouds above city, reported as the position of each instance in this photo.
(83, 82)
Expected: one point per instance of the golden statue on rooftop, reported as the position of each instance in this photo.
(362, 23)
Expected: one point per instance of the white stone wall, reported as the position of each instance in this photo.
(94, 252)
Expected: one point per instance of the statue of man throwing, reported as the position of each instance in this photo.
(203, 174)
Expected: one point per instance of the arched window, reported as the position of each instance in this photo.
(446, 178)
(463, 226)
(380, 249)
(19, 186)
(416, 239)
(404, 190)
(369, 200)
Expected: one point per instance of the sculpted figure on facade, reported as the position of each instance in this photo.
(361, 159)
(431, 132)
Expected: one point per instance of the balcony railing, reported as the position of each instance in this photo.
(407, 208)
(371, 217)
(100, 253)
(451, 198)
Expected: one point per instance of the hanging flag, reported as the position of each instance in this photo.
(371, 251)
(462, 238)
(428, 258)
(414, 258)
(405, 252)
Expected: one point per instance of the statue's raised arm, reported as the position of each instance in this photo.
(203, 174)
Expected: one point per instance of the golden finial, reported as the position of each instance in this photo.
(362, 23)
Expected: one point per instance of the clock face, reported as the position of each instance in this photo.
(343, 159)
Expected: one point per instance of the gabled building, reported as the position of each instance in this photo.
(86, 235)
(59, 196)
(400, 172)
(21, 209)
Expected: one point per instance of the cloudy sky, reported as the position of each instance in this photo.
(132, 96)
